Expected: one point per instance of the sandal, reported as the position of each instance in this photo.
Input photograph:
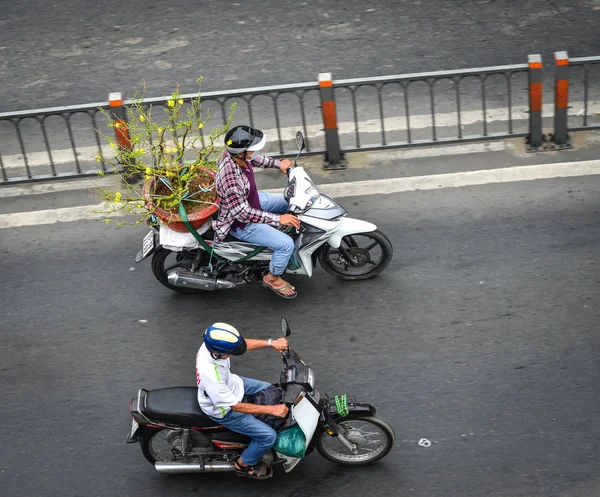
(279, 291)
(259, 471)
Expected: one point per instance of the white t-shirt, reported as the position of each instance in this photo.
(218, 387)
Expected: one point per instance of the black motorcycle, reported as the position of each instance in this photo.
(177, 437)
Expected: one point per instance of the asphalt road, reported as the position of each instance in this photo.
(482, 336)
(61, 53)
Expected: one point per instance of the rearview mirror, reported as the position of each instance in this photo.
(300, 140)
(285, 328)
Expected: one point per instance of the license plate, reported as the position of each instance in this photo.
(148, 244)
(134, 427)
(147, 247)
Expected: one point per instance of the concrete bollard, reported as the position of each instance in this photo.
(535, 139)
(115, 101)
(561, 138)
(334, 158)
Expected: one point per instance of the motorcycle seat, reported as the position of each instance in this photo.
(177, 406)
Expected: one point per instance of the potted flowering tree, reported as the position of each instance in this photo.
(171, 153)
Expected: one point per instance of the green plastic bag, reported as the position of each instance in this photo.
(291, 442)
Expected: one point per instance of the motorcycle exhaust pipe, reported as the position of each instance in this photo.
(174, 468)
(197, 281)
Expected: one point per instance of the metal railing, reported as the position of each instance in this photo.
(431, 81)
(590, 66)
(40, 117)
(336, 117)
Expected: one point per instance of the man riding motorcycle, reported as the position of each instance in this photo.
(220, 394)
(250, 215)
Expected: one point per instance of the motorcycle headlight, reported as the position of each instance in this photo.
(311, 379)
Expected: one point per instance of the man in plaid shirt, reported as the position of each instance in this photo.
(248, 214)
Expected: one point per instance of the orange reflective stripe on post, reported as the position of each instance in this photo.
(535, 96)
(562, 94)
(329, 119)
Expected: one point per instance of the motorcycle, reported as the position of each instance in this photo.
(177, 437)
(347, 248)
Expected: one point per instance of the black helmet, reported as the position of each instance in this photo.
(243, 139)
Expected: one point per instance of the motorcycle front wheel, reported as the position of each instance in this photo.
(373, 437)
(360, 256)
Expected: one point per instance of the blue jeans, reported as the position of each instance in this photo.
(269, 236)
(262, 435)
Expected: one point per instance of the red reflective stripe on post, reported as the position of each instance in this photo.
(535, 65)
(115, 103)
(562, 62)
(535, 93)
(325, 83)
(329, 118)
(562, 94)
(122, 133)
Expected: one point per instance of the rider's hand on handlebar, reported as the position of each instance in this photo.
(285, 165)
(279, 410)
(289, 220)
(280, 345)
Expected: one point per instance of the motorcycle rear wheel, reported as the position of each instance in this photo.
(374, 437)
(164, 445)
(160, 267)
(370, 252)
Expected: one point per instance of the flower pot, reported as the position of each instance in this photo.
(172, 220)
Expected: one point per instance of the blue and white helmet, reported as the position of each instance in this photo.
(222, 338)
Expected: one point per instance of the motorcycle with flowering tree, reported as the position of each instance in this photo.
(172, 153)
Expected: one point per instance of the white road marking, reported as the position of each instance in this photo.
(351, 189)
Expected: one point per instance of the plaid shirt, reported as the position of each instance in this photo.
(233, 188)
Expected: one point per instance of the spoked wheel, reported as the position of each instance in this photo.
(359, 257)
(165, 446)
(373, 437)
(164, 260)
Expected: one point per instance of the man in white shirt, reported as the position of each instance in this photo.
(220, 394)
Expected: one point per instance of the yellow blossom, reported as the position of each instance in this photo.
(118, 197)
(148, 171)
(159, 130)
(200, 126)
(229, 142)
(142, 118)
(180, 101)
(171, 103)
